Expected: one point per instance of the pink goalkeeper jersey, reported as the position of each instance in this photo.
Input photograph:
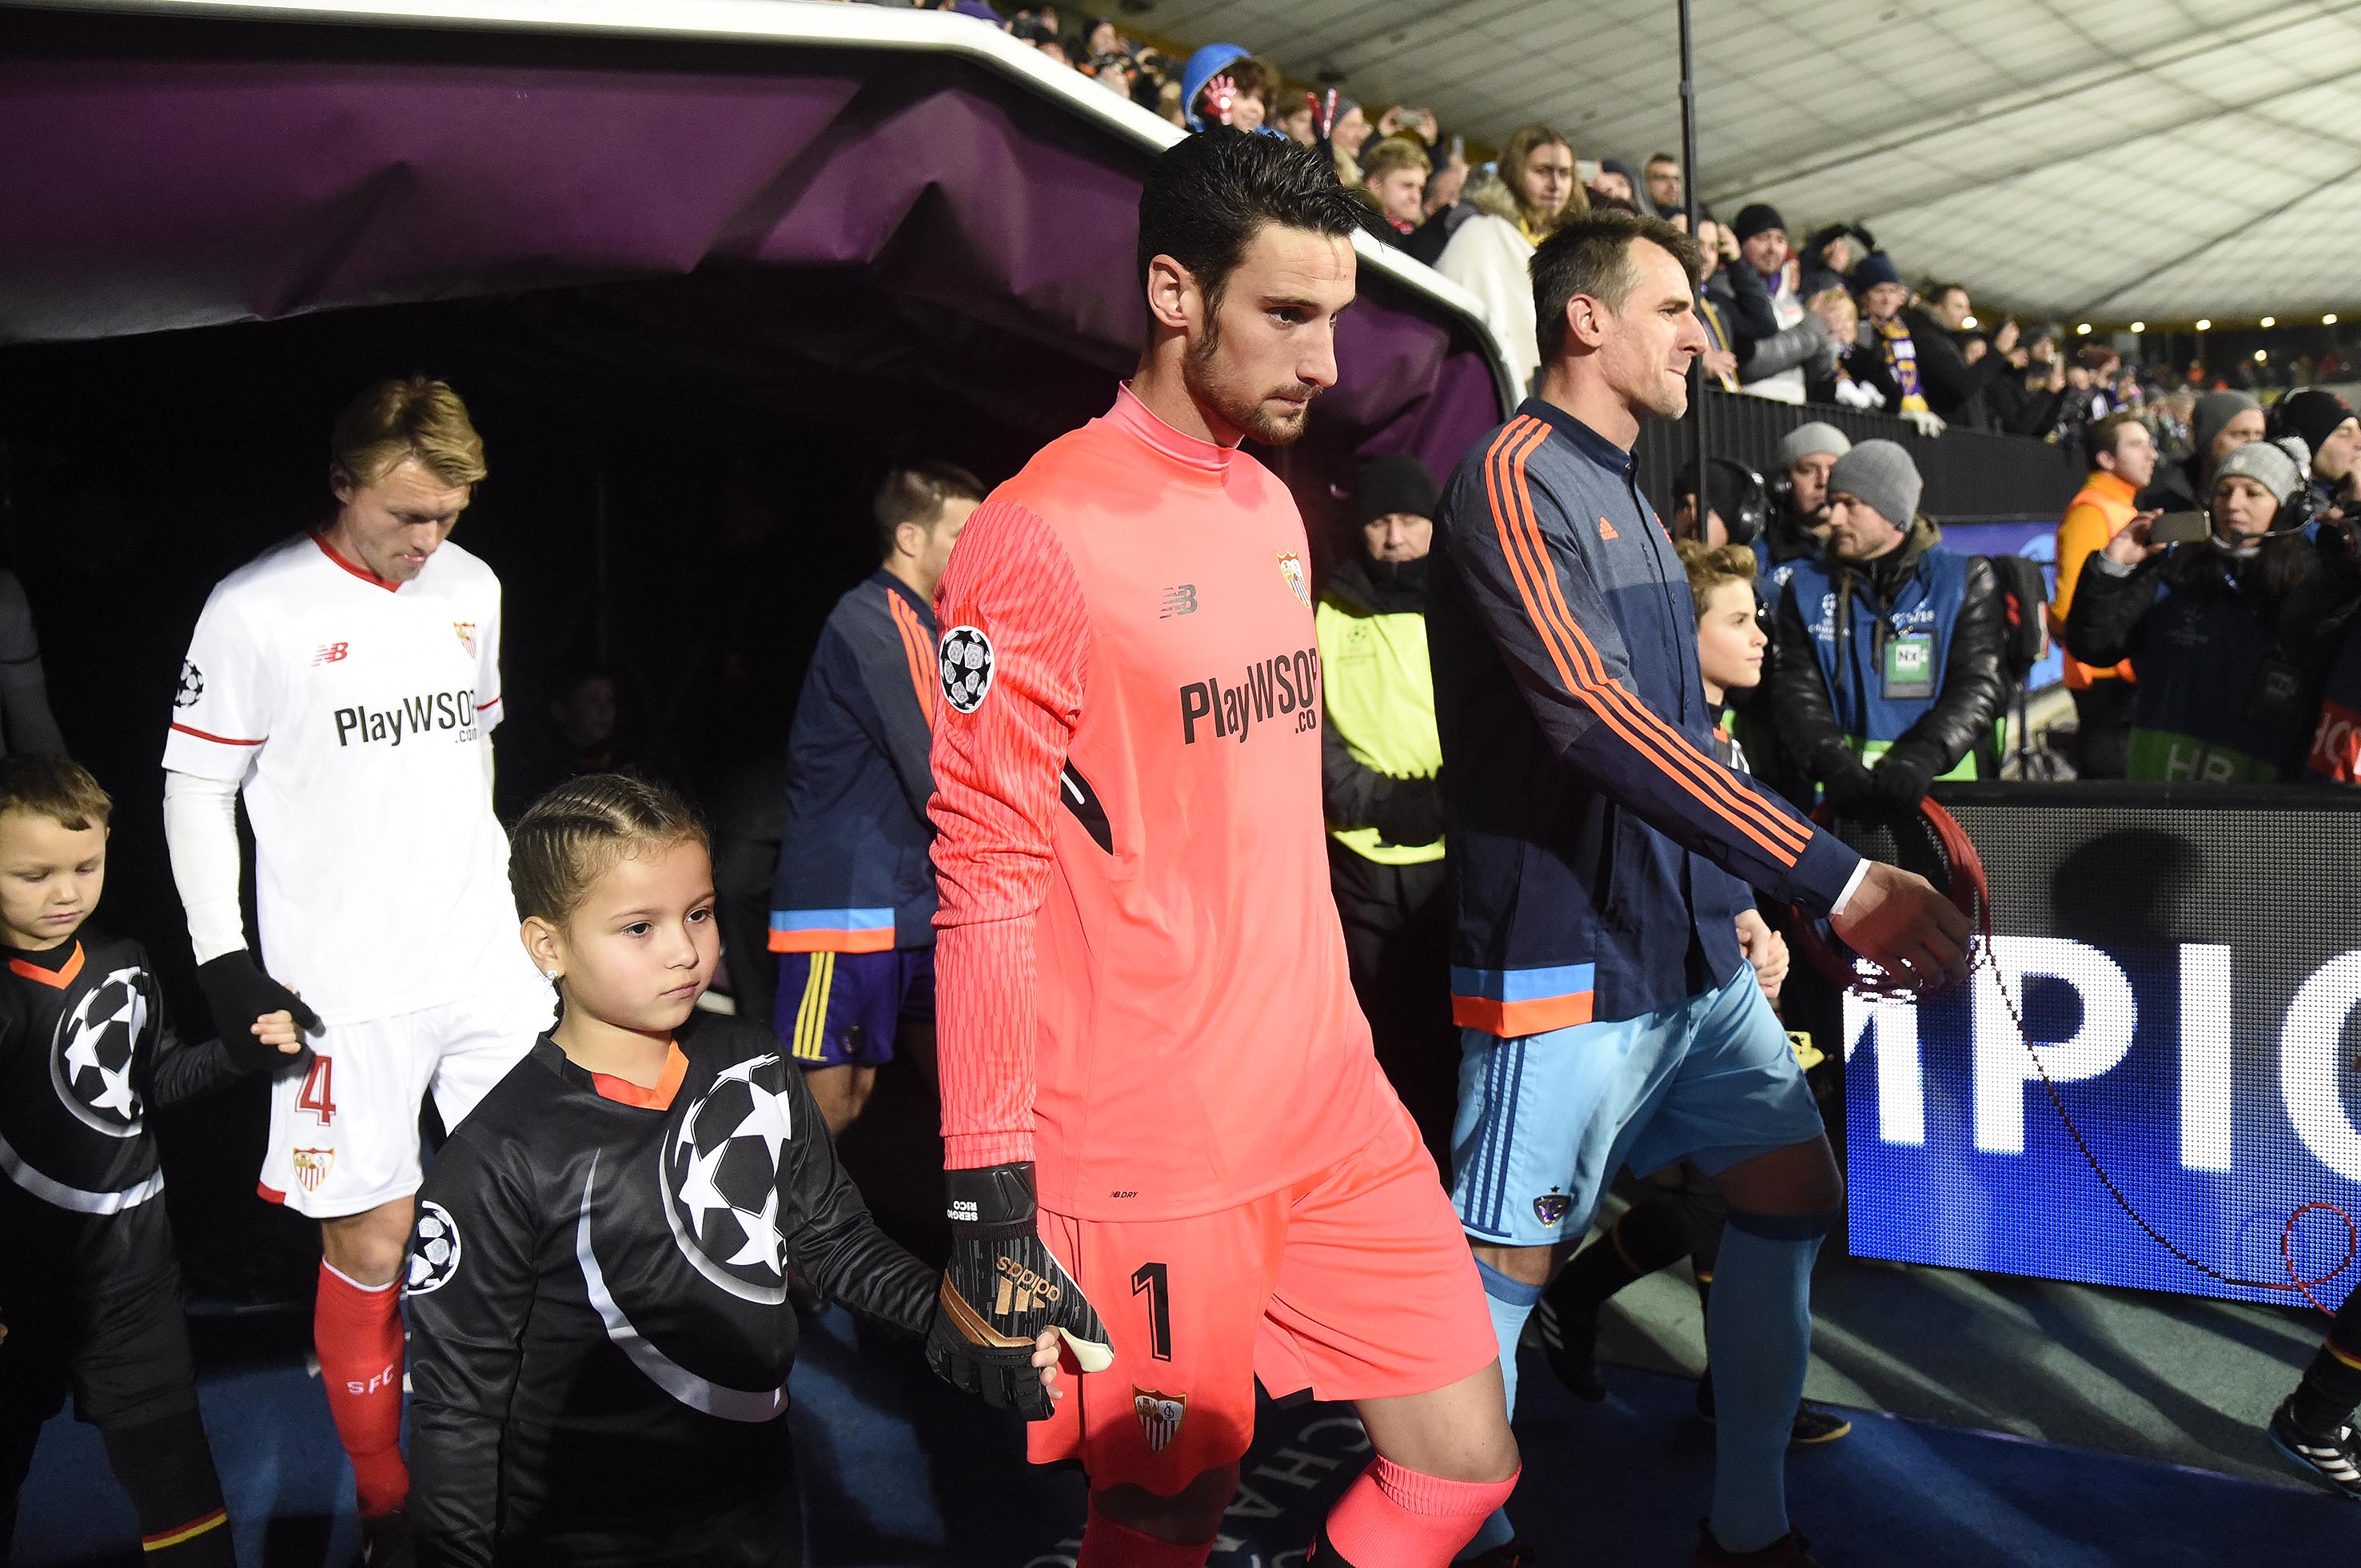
(1141, 979)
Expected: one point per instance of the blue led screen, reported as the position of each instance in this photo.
(2192, 976)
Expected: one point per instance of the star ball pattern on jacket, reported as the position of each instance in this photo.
(85, 1052)
(600, 1332)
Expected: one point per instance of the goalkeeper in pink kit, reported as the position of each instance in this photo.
(1167, 1132)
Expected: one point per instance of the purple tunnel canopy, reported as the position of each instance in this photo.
(162, 171)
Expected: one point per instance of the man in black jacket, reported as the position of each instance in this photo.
(1954, 388)
(1889, 675)
(1379, 757)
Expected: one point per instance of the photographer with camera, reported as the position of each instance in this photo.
(2199, 602)
(1889, 671)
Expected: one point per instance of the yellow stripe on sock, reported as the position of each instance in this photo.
(2341, 1354)
(189, 1531)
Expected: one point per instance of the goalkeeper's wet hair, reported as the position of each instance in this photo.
(573, 834)
(56, 787)
(1206, 195)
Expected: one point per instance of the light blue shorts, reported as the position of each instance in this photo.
(1546, 1120)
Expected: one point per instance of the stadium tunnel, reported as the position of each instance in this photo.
(702, 270)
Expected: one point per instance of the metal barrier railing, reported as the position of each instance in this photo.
(1971, 475)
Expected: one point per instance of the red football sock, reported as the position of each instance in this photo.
(358, 1334)
(1107, 1544)
(1394, 1518)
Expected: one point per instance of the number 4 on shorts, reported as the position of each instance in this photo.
(318, 1094)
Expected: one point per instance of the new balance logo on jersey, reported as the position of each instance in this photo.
(1180, 600)
(1270, 688)
(414, 716)
(1022, 1290)
(331, 653)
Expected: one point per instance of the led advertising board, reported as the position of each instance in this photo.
(2188, 964)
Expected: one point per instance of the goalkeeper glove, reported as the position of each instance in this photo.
(240, 994)
(1001, 1290)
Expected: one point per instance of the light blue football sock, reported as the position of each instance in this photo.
(1758, 1336)
(1512, 1302)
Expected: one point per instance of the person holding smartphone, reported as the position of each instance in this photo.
(2200, 618)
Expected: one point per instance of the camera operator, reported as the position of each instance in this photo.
(1889, 667)
(2218, 703)
(1799, 500)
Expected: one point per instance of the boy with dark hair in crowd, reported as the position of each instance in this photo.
(89, 1290)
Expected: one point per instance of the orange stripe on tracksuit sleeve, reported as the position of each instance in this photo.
(921, 656)
(995, 801)
(1578, 661)
(1734, 804)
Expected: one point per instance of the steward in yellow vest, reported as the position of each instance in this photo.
(1379, 756)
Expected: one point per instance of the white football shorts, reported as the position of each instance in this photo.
(343, 1134)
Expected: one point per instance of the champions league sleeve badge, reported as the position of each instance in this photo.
(433, 1250)
(966, 656)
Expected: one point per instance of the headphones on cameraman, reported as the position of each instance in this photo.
(1753, 520)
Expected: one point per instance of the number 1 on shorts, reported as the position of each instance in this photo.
(1150, 1279)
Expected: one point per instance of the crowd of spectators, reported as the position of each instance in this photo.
(1821, 315)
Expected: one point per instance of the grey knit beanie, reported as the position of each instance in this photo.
(2215, 410)
(2280, 467)
(1881, 473)
(1812, 439)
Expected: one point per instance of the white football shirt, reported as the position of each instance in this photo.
(357, 713)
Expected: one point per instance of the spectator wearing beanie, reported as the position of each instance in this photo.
(1762, 236)
(2219, 425)
(1887, 357)
(1615, 183)
(2122, 461)
(1799, 517)
(1379, 756)
(2325, 423)
(1889, 675)
(2198, 621)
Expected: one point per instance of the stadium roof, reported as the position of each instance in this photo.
(2096, 160)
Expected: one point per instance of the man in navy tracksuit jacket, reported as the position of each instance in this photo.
(1600, 858)
(853, 905)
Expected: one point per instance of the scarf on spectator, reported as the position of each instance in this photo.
(1901, 359)
(1717, 332)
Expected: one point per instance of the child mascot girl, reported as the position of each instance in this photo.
(597, 1280)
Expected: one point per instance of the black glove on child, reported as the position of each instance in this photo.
(1001, 1290)
(239, 993)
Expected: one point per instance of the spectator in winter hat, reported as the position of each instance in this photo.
(2325, 423)
(2198, 621)
(2220, 425)
(1887, 357)
(1614, 180)
(1889, 675)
